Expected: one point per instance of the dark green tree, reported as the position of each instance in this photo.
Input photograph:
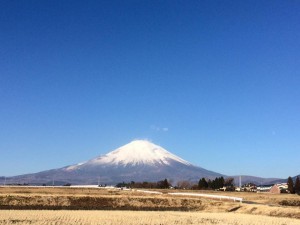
(222, 182)
(213, 184)
(219, 182)
(122, 185)
(290, 184)
(209, 184)
(297, 185)
(163, 184)
(202, 184)
(216, 183)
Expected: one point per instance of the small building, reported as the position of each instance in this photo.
(264, 188)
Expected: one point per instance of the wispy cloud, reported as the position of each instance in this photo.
(158, 129)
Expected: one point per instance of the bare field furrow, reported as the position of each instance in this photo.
(69, 217)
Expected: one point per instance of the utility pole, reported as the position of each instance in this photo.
(240, 182)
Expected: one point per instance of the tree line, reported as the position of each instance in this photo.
(217, 183)
(162, 184)
(203, 184)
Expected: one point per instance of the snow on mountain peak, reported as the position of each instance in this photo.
(135, 153)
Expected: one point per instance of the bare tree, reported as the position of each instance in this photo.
(184, 184)
(229, 182)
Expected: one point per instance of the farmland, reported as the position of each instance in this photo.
(47, 205)
(64, 217)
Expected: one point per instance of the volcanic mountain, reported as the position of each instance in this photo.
(139, 160)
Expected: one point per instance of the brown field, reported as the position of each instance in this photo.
(68, 217)
(37, 206)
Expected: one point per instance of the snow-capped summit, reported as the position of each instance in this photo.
(138, 152)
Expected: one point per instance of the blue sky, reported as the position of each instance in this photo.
(215, 82)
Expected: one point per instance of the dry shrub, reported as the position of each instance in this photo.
(290, 202)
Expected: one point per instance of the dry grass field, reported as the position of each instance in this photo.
(63, 217)
(138, 207)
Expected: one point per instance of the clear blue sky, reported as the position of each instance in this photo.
(215, 82)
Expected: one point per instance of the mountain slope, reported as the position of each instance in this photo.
(256, 180)
(137, 161)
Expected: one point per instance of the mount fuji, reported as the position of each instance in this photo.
(139, 160)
